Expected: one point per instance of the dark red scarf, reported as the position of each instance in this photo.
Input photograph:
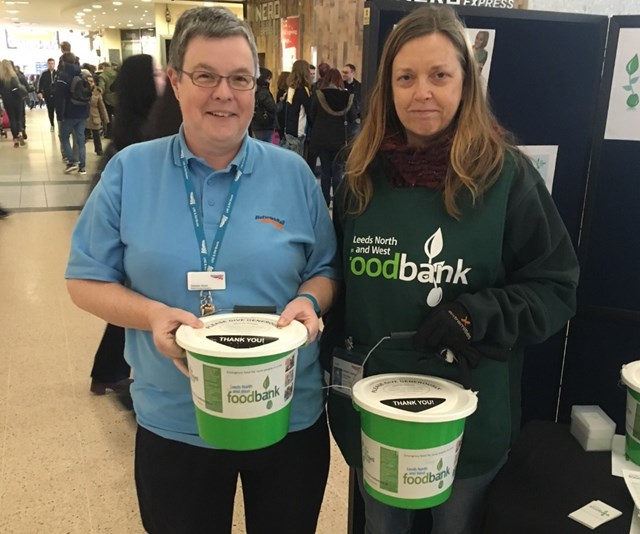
(411, 166)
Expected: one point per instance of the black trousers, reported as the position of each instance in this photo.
(51, 108)
(184, 489)
(109, 364)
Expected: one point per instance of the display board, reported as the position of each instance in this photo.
(543, 85)
(606, 331)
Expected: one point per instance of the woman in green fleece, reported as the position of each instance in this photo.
(446, 229)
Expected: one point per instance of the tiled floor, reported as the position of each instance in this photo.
(31, 176)
(65, 455)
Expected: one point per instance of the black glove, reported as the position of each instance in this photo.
(448, 326)
(468, 357)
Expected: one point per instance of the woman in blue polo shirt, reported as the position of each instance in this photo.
(136, 239)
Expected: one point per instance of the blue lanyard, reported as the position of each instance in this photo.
(209, 262)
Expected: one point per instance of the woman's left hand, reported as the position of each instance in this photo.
(301, 309)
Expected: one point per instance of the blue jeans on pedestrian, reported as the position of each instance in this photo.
(462, 513)
(75, 126)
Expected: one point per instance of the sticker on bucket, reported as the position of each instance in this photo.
(409, 474)
(243, 392)
(413, 405)
(632, 424)
(242, 342)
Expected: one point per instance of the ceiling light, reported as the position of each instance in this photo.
(97, 6)
(87, 10)
(117, 3)
(112, 27)
(208, 4)
(149, 23)
(135, 7)
(104, 12)
(130, 25)
(13, 11)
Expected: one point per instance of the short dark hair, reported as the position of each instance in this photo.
(68, 57)
(312, 66)
(351, 66)
(65, 46)
(51, 59)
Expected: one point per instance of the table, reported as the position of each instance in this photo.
(549, 475)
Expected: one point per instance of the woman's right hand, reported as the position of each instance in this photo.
(164, 321)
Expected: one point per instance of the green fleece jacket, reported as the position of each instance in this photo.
(509, 260)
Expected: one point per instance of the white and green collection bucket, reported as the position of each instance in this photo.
(242, 371)
(411, 427)
(631, 378)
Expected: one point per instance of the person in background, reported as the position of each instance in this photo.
(433, 174)
(25, 101)
(137, 89)
(98, 117)
(323, 68)
(355, 88)
(281, 85)
(73, 116)
(312, 74)
(137, 238)
(165, 116)
(106, 79)
(46, 87)
(13, 100)
(264, 115)
(297, 105)
(332, 113)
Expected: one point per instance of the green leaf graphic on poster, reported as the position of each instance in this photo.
(269, 405)
(633, 100)
(439, 466)
(440, 484)
(266, 383)
(632, 66)
(634, 80)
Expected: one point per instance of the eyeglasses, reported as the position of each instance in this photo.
(237, 82)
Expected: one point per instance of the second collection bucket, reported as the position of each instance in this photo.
(411, 427)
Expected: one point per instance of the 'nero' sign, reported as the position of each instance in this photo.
(268, 11)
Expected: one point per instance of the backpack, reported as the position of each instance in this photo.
(79, 90)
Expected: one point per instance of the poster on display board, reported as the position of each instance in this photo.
(543, 158)
(482, 43)
(623, 117)
(290, 38)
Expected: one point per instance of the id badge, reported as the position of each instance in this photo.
(206, 281)
(346, 370)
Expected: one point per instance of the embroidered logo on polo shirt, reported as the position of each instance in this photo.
(278, 223)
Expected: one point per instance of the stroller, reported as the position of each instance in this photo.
(4, 125)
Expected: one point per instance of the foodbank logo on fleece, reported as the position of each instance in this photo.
(383, 260)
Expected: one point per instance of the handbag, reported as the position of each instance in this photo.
(17, 89)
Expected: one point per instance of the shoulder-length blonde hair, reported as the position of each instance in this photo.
(7, 71)
(299, 76)
(477, 152)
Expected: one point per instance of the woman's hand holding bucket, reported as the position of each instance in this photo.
(301, 309)
(164, 322)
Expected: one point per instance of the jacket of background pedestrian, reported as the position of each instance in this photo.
(264, 115)
(65, 109)
(106, 79)
(97, 111)
(332, 112)
(12, 99)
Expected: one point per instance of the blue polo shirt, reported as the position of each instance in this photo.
(136, 229)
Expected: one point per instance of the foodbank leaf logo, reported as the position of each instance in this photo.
(266, 385)
(432, 247)
(632, 67)
(439, 466)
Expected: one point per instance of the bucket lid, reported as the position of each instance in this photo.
(631, 375)
(241, 334)
(414, 398)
